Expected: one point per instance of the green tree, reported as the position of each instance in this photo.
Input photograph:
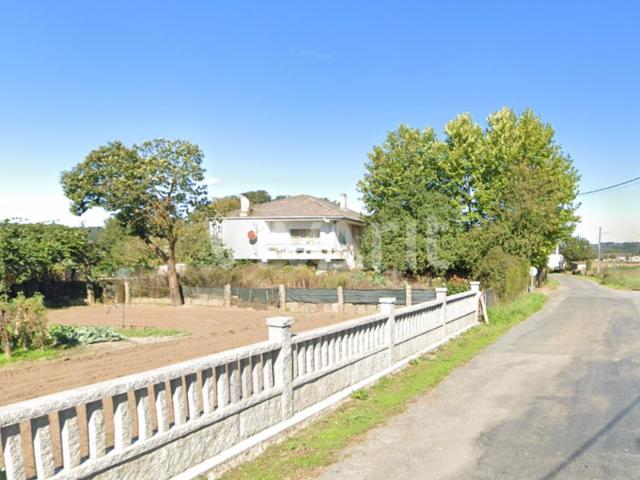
(577, 248)
(258, 196)
(123, 249)
(151, 189)
(528, 187)
(409, 212)
(508, 185)
(224, 205)
(43, 252)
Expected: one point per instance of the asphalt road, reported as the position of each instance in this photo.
(558, 397)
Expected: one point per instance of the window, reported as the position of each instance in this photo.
(304, 233)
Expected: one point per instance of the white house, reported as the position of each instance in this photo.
(555, 261)
(298, 229)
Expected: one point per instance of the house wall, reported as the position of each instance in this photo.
(275, 234)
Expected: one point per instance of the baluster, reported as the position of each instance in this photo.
(207, 390)
(245, 378)
(193, 401)
(234, 382)
(309, 355)
(257, 375)
(143, 412)
(317, 355)
(222, 386)
(324, 350)
(267, 370)
(70, 437)
(338, 352)
(42, 452)
(12, 449)
(95, 429)
(301, 358)
(162, 410)
(121, 422)
(332, 349)
(177, 399)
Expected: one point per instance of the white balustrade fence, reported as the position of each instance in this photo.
(164, 422)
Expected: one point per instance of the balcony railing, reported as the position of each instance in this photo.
(306, 251)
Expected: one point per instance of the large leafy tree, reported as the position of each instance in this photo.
(507, 185)
(408, 211)
(151, 189)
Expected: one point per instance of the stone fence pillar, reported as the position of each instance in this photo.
(279, 329)
(387, 305)
(441, 294)
(409, 294)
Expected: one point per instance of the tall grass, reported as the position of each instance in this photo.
(254, 275)
(623, 277)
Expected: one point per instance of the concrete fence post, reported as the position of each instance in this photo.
(226, 302)
(282, 297)
(340, 299)
(475, 287)
(280, 331)
(441, 294)
(387, 305)
(408, 294)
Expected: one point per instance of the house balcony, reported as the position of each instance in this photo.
(306, 251)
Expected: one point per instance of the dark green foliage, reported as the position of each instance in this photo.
(507, 274)
(44, 252)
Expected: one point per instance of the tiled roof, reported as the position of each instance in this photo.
(300, 206)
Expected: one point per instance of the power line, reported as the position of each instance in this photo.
(610, 187)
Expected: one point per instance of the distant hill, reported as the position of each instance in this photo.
(618, 249)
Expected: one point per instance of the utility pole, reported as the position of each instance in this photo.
(599, 248)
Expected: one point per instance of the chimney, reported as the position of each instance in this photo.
(343, 201)
(245, 205)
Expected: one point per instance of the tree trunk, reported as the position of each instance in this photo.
(174, 285)
(4, 335)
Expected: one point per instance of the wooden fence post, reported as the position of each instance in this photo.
(279, 329)
(408, 294)
(340, 293)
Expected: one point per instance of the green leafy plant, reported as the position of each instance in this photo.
(73, 335)
(360, 394)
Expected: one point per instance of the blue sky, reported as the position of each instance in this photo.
(290, 97)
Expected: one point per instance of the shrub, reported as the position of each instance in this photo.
(507, 274)
(25, 322)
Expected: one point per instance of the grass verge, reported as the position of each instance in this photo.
(21, 355)
(319, 444)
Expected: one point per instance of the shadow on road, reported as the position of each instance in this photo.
(594, 438)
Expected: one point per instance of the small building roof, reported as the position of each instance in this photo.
(299, 206)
